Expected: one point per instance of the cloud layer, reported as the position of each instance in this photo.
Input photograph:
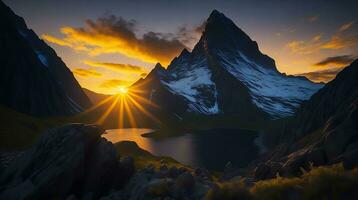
(346, 26)
(86, 72)
(322, 75)
(190, 35)
(119, 67)
(336, 60)
(340, 40)
(114, 34)
(113, 84)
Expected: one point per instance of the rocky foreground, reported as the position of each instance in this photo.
(70, 160)
(75, 162)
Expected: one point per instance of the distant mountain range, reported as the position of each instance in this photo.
(95, 97)
(225, 74)
(33, 79)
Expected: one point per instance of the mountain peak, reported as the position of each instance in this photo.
(222, 34)
(158, 66)
(215, 14)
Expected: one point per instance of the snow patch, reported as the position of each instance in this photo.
(274, 93)
(42, 58)
(193, 82)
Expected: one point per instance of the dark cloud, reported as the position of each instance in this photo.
(190, 35)
(336, 60)
(114, 34)
(322, 75)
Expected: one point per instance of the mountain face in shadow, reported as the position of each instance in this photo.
(225, 74)
(33, 79)
(95, 97)
(324, 129)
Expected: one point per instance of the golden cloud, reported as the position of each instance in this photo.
(317, 38)
(337, 41)
(116, 35)
(56, 40)
(143, 75)
(114, 84)
(116, 66)
(86, 72)
(322, 75)
(305, 47)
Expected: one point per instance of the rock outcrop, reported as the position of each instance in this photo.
(165, 183)
(70, 160)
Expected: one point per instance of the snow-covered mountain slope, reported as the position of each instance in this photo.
(276, 94)
(227, 74)
(192, 80)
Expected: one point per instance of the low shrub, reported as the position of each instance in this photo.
(229, 191)
(325, 182)
(277, 188)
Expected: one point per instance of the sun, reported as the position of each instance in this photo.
(123, 91)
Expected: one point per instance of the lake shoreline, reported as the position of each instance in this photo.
(162, 134)
(211, 149)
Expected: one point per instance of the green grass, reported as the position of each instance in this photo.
(142, 158)
(19, 131)
(230, 191)
(329, 182)
(278, 188)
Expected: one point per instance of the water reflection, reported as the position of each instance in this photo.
(211, 149)
(130, 134)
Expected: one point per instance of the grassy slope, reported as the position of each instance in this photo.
(142, 158)
(332, 182)
(19, 131)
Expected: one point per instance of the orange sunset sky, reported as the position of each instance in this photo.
(111, 44)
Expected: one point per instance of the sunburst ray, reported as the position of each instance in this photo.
(107, 112)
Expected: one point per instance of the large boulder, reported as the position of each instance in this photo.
(69, 160)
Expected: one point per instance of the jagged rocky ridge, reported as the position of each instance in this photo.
(33, 79)
(225, 74)
(323, 131)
